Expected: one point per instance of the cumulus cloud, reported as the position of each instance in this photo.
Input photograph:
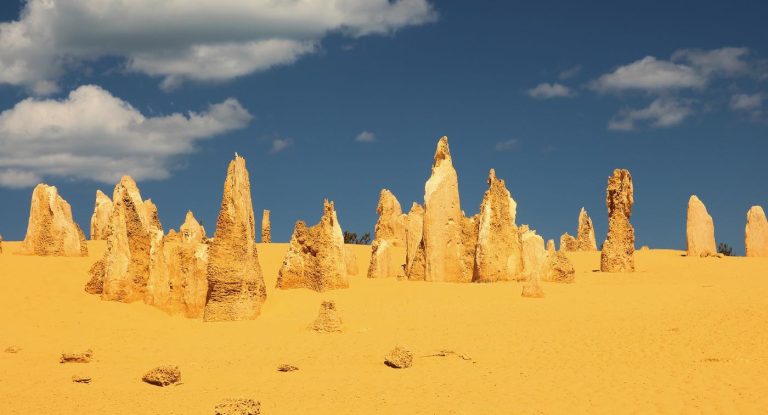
(546, 91)
(280, 144)
(746, 102)
(205, 40)
(365, 137)
(90, 134)
(507, 145)
(662, 112)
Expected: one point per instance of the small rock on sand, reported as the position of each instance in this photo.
(81, 379)
(287, 368)
(399, 358)
(238, 407)
(163, 375)
(12, 349)
(77, 357)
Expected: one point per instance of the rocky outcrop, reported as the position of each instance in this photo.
(558, 268)
(534, 255)
(568, 243)
(315, 257)
(618, 254)
(51, 231)
(151, 211)
(100, 219)
(498, 255)
(756, 233)
(414, 223)
(443, 223)
(551, 245)
(328, 320)
(469, 235)
(700, 230)
(266, 228)
(191, 231)
(389, 233)
(236, 287)
(585, 236)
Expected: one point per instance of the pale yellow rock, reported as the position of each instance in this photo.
(756, 233)
(568, 243)
(389, 232)
(700, 230)
(534, 255)
(558, 268)
(551, 245)
(618, 254)
(152, 217)
(266, 228)
(498, 255)
(585, 236)
(350, 258)
(51, 231)
(191, 230)
(469, 235)
(443, 222)
(316, 256)
(414, 223)
(236, 289)
(100, 218)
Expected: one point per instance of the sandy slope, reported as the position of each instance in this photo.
(682, 335)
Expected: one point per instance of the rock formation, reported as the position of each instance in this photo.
(238, 406)
(534, 255)
(350, 259)
(389, 233)
(399, 358)
(700, 230)
(498, 255)
(51, 230)
(443, 248)
(1, 244)
(100, 219)
(151, 212)
(618, 254)
(315, 257)
(236, 287)
(756, 233)
(172, 236)
(414, 222)
(558, 268)
(568, 243)
(266, 228)
(551, 245)
(191, 230)
(163, 375)
(328, 320)
(469, 235)
(585, 236)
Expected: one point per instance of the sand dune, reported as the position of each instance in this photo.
(680, 335)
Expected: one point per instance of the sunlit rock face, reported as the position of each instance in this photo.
(316, 256)
(756, 233)
(100, 219)
(585, 235)
(390, 232)
(618, 253)
(700, 230)
(51, 231)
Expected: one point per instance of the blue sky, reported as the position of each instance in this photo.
(553, 95)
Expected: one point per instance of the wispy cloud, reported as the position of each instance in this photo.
(365, 137)
(546, 91)
(507, 145)
(91, 134)
(280, 144)
(662, 112)
(570, 72)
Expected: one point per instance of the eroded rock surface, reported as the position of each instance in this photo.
(618, 253)
(756, 233)
(102, 209)
(390, 232)
(316, 255)
(51, 231)
(585, 235)
(568, 243)
(328, 320)
(414, 223)
(266, 228)
(700, 230)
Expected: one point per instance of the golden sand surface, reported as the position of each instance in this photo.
(680, 335)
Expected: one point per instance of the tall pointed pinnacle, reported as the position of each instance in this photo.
(618, 254)
(585, 234)
(236, 288)
(699, 230)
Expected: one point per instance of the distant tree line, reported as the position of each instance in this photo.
(352, 238)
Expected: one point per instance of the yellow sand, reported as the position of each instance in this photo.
(681, 335)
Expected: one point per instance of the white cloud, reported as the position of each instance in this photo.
(545, 91)
(204, 40)
(662, 112)
(570, 72)
(724, 61)
(365, 137)
(93, 135)
(649, 74)
(280, 144)
(507, 145)
(746, 102)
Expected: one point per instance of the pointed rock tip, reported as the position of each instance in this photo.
(443, 151)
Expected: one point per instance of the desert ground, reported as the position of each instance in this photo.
(679, 335)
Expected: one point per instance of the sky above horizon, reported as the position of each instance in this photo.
(341, 99)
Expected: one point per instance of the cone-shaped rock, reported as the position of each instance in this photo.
(100, 219)
(443, 222)
(151, 212)
(558, 268)
(700, 230)
(568, 243)
(316, 255)
(585, 236)
(756, 233)
(534, 255)
(498, 255)
(266, 228)
(618, 254)
(413, 225)
(551, 245)
(390, 232)
(236, 288)
(51, 230)
(191, 230)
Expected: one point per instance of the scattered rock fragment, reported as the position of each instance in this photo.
(328, 320)
(12, 349)
(287, 368)
(81, 379)
(77, 357)
(163, 376)
(238, 406)
(399, 358)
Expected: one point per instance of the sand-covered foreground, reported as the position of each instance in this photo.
(680, 335)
